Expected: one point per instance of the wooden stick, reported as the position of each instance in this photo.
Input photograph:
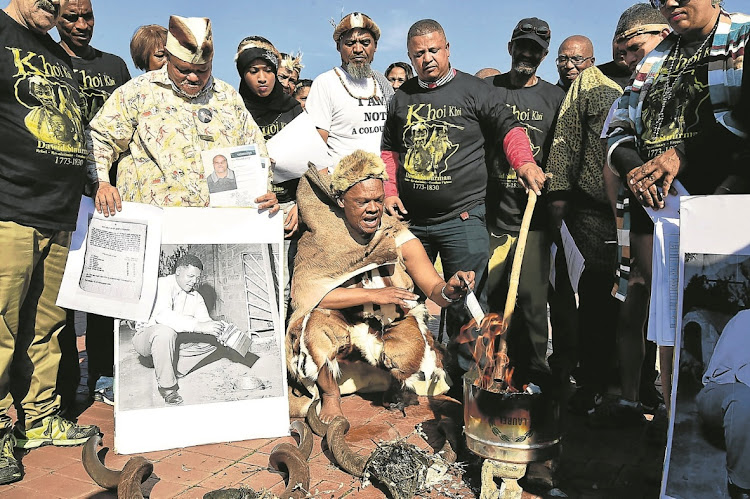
(515, 272)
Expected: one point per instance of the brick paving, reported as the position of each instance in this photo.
(595, 463)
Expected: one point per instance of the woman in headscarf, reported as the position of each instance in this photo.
(272, 109)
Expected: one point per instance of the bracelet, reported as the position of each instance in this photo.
(442, 293)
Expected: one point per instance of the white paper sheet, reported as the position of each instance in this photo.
(110, 260)
(222, 235)
(244, 166)
(295, 145)
(574, 260)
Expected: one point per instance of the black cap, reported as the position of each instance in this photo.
(532, 28)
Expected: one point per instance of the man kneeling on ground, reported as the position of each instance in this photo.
(352, 290)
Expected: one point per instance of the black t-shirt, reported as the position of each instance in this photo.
(536, 108)
(688, 122)
(285, 191)
(43, 152)
(97, 78)
(440, 135)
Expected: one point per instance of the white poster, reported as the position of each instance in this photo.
(294, 146)
(714, 287)
(236, 176)
(110, 259)
(208, 364)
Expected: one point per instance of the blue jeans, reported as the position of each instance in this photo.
(462, 245)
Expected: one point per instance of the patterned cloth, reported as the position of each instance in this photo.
(575, 161)
(158, 135)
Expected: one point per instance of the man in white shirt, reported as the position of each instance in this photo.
(348, 104)
(179, 309)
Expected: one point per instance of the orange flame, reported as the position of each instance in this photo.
(490, 351)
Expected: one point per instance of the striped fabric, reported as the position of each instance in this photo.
(724, 79)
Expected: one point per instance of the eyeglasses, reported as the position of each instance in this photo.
(577, 60)
(529, 28)
(658, 4)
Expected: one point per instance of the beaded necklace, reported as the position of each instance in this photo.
(374, 87)
(669, 89)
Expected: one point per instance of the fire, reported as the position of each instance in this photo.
(490, 352)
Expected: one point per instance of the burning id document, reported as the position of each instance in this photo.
(236, 176)
(110, 260)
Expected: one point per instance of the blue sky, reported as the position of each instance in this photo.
(478, 31)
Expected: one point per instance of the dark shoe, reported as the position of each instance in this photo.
(54, 430)
(171, 397)
(736, 492)
(104, 391)
(651, 398)
(584, 400)
(659, 426)
(10, 470)
(613, 413)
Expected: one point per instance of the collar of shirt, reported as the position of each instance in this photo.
(440, 82)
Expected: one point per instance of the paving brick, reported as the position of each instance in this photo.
(179, 474)
(164, 488)
(261, 480)
(223, 451)
(194, 493)
(228, 478)
(61, 486)
(75, 471)
(194, 460)
(50, 458)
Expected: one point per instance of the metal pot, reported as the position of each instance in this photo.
(512, 427)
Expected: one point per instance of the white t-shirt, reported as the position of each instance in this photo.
(351, 123)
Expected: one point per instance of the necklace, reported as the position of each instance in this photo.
(348, 91)
(669, 89)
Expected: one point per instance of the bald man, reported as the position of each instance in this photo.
(486, 73)
(575, 54)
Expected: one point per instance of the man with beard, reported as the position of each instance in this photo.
(434, 145)
(41, 178)
(534, 102)
(348, 103)
(98, 74)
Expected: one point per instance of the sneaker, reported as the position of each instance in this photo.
(584, 400)
(105, 390)
(651, 398)
(54, 430)
(616, 414)
(10, 470)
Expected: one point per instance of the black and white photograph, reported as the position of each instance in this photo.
(210, 337)
(708, 452)
(715, 337)
(213, 343)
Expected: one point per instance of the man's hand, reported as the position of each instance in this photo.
(651, 182)
(290, 223)
(107, 199)
(459, 284)
(557, 211)
(394, 207)
(531, 177)
(268, 202)
(392, 295)
(214, 328)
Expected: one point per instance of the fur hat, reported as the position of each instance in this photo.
(356, 20)
(190, 39)
(354, 168)
(256, 47)
(292, 62)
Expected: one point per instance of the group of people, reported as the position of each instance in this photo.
(428, 161)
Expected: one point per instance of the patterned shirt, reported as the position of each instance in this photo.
(158, 135)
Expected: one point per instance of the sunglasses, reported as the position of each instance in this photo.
(529, 28)
(658, 4)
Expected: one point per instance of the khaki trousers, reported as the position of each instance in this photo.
(32, 262)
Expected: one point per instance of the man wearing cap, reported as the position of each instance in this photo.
(42, 175)
(348, 103)
(577, 194)
(534, 102)
(158, 123)
(433, 144)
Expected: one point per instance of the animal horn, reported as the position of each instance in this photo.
(136, 471)
(103, 476)
(305, 438)
(286, 455)
(350, 461)
(316, 425)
